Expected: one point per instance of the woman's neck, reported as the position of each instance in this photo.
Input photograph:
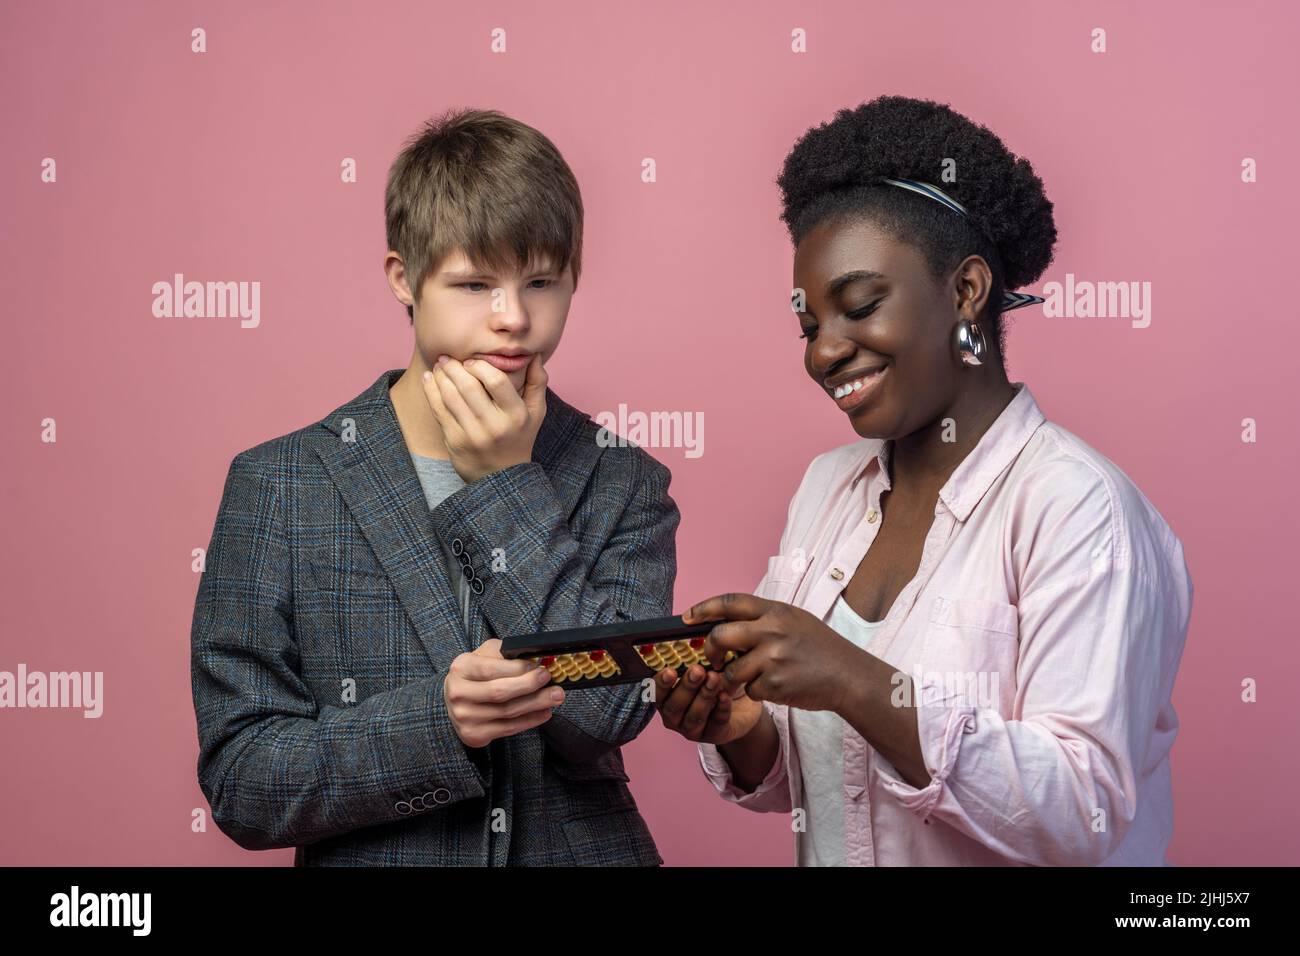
(923, 461)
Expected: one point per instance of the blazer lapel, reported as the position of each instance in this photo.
(372, 469)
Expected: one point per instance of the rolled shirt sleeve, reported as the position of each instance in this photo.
(1102, 617)
(772, 795)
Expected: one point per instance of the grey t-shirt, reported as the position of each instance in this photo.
(439, 480)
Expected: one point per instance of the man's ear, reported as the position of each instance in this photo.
(395, 272)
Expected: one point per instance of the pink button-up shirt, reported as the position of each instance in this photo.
(1043, 632)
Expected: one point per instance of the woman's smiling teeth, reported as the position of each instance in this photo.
(857, 392)
(857, 384)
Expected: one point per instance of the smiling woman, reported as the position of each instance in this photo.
(963, 533)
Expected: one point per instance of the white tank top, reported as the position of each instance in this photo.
(818, 737)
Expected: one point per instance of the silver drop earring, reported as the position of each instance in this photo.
(970, 343)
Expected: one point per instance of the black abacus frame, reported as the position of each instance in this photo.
(619, 639)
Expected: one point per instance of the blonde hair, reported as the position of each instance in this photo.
(485, 184)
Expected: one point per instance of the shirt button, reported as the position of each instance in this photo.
(871, 516)
(836, 573)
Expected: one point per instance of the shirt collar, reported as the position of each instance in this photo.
(996, 449)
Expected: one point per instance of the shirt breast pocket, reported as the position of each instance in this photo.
(969, 654)
(784, 574)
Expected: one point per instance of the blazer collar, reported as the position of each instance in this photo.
(369, 463)
(975, 474)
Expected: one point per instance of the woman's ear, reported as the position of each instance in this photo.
(973, 282)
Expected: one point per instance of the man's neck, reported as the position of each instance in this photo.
(419, 426)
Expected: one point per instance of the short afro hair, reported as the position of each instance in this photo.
(834, 173)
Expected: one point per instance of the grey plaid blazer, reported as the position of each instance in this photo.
(325, 623)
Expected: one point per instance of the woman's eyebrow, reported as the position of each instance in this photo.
(834, 287)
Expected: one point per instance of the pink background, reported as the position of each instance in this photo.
(225, 166)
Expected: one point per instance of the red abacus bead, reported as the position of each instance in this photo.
(597, 655)
(697, 642)
(646, 649)
(547, 661)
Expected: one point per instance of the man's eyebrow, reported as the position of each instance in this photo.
(487, 275)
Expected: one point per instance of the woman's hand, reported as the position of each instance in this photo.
(697, 707)
(788, 656)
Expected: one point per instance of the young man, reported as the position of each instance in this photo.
(350, 693)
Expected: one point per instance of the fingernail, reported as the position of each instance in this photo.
(557, 695)
(441, 361)
(428, 376)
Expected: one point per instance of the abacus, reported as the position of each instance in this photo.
(621, 653)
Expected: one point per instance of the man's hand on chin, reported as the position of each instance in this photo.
(486, 424)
